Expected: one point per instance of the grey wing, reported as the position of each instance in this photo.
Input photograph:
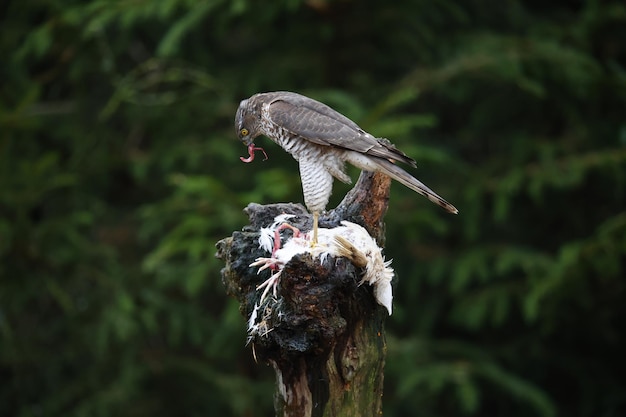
(320, 124)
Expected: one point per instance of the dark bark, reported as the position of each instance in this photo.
(324, 334)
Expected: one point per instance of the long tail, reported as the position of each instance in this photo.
(414, 184)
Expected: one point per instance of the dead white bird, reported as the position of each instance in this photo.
(349, 240)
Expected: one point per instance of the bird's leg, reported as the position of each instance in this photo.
(272, 282)
(316, 216)
(269, 284)
(295, 230)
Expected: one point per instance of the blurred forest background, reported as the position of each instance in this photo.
(119, 171)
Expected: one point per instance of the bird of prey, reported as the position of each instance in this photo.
(322, 140)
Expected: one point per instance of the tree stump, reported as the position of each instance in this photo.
(324, 333)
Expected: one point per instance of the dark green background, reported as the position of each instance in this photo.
(119, 171)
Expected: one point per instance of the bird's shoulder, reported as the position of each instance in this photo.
(284, 105)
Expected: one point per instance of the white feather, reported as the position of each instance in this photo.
(266, 239)
(378, 272)
(266, 234)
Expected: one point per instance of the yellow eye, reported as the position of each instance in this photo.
(244, 132)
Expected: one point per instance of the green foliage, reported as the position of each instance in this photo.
(119, 172)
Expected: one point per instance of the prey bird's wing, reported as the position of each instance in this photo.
(320, 124)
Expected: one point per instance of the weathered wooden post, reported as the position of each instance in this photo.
(323, 333)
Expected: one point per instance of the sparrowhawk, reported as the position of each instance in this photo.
(322, 140)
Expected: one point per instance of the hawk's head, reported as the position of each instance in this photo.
(248, 120)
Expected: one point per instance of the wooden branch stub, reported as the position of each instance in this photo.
(365, 204)
(323, 333)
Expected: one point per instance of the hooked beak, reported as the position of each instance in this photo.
(247, 140)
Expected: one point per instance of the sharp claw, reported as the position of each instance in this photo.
(265, 263)
(259, 261)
